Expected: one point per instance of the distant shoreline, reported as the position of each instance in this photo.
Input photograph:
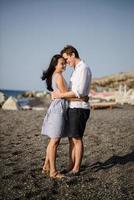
(14, 93)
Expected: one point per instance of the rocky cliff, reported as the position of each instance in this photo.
(114, 81)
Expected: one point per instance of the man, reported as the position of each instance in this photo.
(78, 111)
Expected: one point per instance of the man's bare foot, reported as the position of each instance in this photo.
(65, 170)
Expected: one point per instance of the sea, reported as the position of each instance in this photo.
(15, 93)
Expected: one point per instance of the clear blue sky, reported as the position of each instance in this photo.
(32, 31)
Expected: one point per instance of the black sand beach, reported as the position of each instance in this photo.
(107, 171)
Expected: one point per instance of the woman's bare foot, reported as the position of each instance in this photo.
(45, 169)
(57, 175)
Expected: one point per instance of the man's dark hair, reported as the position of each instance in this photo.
(69, 50)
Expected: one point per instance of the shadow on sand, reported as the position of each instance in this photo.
(114, 160)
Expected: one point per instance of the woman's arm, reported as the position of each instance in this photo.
(69, 95)
(61, 83)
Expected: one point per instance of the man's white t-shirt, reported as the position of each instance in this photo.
(80, 84)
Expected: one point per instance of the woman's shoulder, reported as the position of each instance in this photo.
(57, 75)
(59, 81)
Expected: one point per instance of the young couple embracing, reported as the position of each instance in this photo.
(69, 110)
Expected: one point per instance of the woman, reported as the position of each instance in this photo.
(53, 125)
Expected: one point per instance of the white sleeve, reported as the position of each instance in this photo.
(82, 83)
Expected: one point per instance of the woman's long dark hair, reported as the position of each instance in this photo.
(47, 74)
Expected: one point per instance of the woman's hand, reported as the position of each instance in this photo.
(55, 95)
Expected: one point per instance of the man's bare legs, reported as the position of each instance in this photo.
(71, 154)
(76, 152)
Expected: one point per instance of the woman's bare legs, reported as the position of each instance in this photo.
(52, 152)
(50, 161)
(46, 166)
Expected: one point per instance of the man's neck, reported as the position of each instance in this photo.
(77, 61)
